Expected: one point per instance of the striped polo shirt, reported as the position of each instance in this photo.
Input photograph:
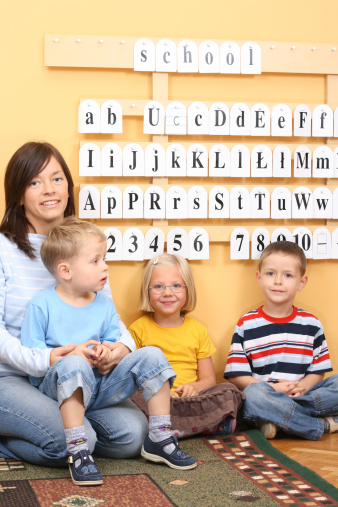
(272, 349)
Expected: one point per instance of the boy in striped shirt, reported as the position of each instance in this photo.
(279, 355)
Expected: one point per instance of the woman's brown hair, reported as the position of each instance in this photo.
(26, 163)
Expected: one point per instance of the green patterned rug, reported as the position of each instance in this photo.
(232, 471)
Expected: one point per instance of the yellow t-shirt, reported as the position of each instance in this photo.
(182, 345)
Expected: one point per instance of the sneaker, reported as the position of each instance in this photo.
(225, 427)
(153, 451)
(83, 469)
(268, 429)
(330, 424)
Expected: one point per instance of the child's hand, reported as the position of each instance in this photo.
(185, 391)
(84, 351)
(289, 387)
(102, 352)
(117, 351)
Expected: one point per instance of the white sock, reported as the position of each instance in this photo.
(160, 429)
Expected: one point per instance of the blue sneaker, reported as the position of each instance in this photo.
(153, 451)
(83, 469)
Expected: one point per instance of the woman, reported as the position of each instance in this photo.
(39, 194)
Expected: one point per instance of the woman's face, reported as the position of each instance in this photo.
(45, 198)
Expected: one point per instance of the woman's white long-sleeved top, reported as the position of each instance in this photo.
(20, 279)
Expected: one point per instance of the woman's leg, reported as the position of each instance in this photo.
(120, 430)
(31, 426)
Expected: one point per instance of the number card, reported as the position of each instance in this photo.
(303, 237)
(239, 244)
(178, 242)
(133, 245)
(153, 242)
(322, 244)
(198, 244)
(281, 234)
(114, 244)
(260, 239)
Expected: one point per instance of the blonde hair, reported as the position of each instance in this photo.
(169, 260)
(65, 241)
(286, 248)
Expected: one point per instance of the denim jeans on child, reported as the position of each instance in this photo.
(32, 427)
(299, 416)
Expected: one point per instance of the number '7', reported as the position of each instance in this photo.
(240, 237)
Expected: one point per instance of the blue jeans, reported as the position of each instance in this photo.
(299, 416)
(31, 426)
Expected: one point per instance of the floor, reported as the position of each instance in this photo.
(320, 456)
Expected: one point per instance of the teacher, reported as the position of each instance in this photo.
(39, 193)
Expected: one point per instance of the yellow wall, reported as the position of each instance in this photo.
(39, 103)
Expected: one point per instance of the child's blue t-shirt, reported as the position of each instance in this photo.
(51, 322)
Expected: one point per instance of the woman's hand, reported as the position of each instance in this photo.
(60, 352)
(71, 349)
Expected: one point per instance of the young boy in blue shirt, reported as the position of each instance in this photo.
(75, 311)
(279, 356)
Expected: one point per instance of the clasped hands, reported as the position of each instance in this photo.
(292, 388)
(104, 356)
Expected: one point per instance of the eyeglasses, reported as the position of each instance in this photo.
(175, 287)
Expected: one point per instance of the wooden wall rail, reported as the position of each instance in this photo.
(117, 52)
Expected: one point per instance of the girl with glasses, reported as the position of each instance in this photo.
(198, 405)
